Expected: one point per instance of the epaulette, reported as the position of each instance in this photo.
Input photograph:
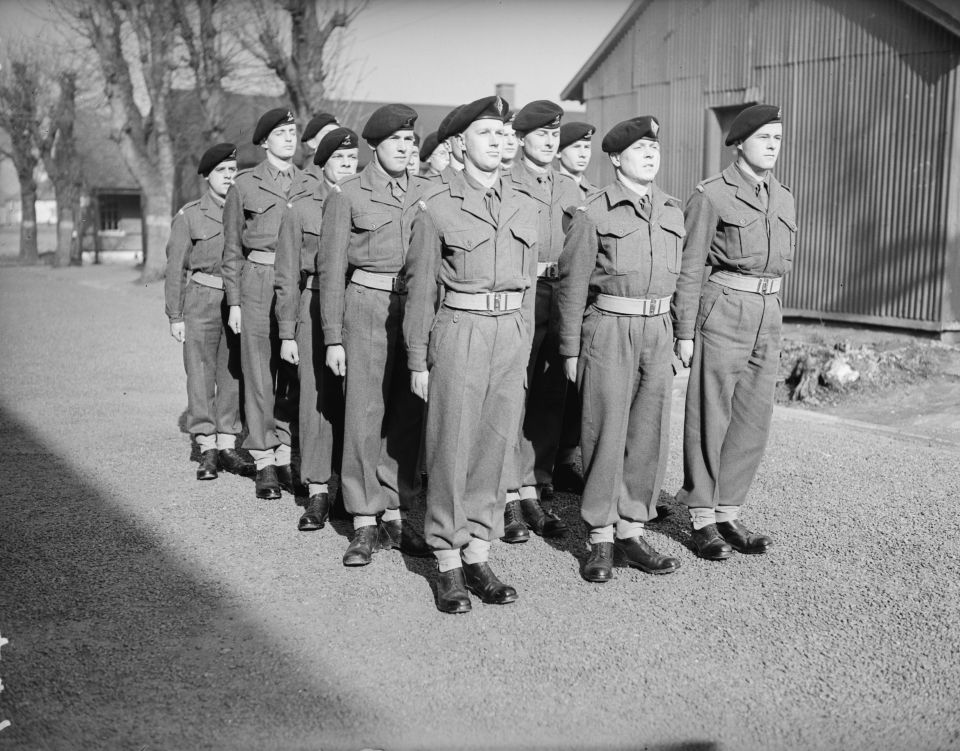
(706, 181)
(189, 205)
(672, 201)
(786, 188)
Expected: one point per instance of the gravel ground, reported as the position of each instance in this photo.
(146, 610)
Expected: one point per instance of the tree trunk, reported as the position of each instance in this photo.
(157, 210)
(68, 197)
(28, 222)
(76, 244)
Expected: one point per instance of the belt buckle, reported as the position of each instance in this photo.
(553, 271)
(397, 284)
(765, 285)
(497, 299)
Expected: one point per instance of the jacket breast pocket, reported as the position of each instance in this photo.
(525, 238)
(257, 209)
(461, 245)
(370, 229)
(619, 247)
(673, 234)
(741, 232)
(787, 237)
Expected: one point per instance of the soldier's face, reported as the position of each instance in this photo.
(760, 150)
(393, 152)
(640, 161)
(282, 141)
(576, 157)
(454, 148)
(413, 163)
(342, 163)
(440, 158)
(483, 144)
(510, 142)
(221, 177)
(540, 145)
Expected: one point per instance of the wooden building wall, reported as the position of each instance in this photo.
(869, 95)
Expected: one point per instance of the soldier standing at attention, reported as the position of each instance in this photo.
(319, 125)
(511, 145)
(195, 306)
(477, 236)
(434, 157)
(362, 237)
(530, 477)
(251, 223)
(620, 265)
(574, 153)
(742, 224)
(298, 322)
(454, 149)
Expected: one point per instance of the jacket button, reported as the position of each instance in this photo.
(743, 222)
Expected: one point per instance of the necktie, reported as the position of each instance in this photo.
(645, 206)
(395, 190)
(284, 180)
(493, 203)
(763, 196)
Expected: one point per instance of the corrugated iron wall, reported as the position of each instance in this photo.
(868, 91)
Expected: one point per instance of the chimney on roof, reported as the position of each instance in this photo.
(507, 91)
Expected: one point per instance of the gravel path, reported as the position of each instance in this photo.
(146, 610)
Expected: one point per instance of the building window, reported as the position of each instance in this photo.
(109, 214)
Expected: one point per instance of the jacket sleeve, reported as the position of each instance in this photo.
(423, 260)
(232, 245)
(286, 278)
(332, 264)
(577, 262)
(700, 221)
(175, 281)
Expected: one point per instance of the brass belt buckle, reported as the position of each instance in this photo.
(496, 301)
(766, 284)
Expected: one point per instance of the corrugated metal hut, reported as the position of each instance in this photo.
(870, 94)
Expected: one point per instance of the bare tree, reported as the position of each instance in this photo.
(60, 157)
(19, 86)
(297, 40)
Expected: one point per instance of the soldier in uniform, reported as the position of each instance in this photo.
(251, 224)
(573, 153)
(434, 157)
(477, 235)
(511, 144)
(454, 149)
(742, 225)
(298, 322)
(618, 273)
(319, 125)
(413, 165)
(195, 306)
(362, 239)
(530, 475)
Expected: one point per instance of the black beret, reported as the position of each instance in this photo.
(488, 108)
(750, 120)
(539, 114)
(387, 120)
(429, 145)
(443, 132)
(270, 120)
(222, 152)
(317, 123)
(573, 132)
(630, 131)
(341, 138)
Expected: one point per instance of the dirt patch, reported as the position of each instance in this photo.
(895, 379)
